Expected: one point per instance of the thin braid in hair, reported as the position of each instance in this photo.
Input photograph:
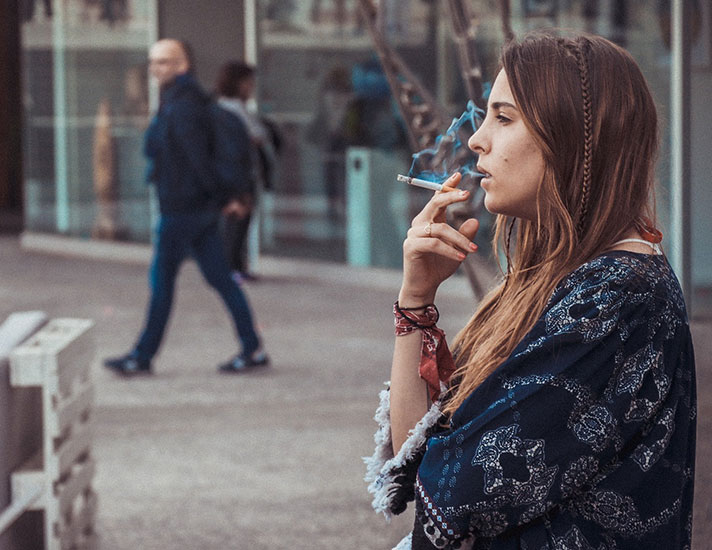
(507, 243)
(581, 59)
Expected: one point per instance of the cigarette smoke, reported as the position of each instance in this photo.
(450, 153)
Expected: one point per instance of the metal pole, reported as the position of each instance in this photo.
(250, 22)
(153, 98)
(61, 126)
(251, 38)
(680, 185)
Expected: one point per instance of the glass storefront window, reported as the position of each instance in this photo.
(319, 48)
(321, 83)
(86, 106)
(86, 98)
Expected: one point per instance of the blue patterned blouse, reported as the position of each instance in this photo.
(584, 438)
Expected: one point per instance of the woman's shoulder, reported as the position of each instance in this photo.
(621, 266)
(624, 275)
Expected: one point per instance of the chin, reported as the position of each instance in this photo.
(491, 205)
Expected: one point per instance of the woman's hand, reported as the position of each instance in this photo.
(433, 249)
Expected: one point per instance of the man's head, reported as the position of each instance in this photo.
(168, 59)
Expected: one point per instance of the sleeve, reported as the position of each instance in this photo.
(570, 405)
(232, 153)
(191, 129)
(151, 150)
(244, 184)
(391, 478)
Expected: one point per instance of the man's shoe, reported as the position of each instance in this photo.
(242, 362)
(128, 365)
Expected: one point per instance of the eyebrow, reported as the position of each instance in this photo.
(500, 104)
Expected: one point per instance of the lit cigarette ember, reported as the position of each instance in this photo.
(424, 183)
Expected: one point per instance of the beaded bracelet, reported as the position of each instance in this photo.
(436, 363)
(415, 308)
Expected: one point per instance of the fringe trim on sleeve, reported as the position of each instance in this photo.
(387, 474)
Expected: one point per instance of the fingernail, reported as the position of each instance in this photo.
(473, 246)
(464, 192)
(461, 255)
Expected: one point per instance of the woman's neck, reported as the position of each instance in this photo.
(631, 242)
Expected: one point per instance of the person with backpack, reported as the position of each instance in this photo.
(234, 87)
(193, 184)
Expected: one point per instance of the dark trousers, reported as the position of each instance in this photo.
(235, 231)
(180, 236)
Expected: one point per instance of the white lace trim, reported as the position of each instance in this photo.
(406, 543)
(380, 466)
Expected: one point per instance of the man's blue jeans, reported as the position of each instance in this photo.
(179, 236)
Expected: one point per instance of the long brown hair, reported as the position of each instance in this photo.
(588, 106)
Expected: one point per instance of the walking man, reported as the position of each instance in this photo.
(178, 145)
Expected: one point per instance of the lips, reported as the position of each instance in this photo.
(484, 172)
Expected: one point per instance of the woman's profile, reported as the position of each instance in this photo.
(564, 418)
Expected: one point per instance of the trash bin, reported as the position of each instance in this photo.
(376, 208)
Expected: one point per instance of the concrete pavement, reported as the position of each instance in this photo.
(191, 459)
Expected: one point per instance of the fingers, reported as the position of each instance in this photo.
(469, 228)
(458, 241)
(430, 233)
(435, 209)
(451, 183)
(428, 245)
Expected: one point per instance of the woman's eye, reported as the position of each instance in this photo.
(503, 119)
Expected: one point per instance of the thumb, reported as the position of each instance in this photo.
(469, 228)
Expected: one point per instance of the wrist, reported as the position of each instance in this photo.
(413, 300)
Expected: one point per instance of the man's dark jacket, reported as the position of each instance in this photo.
(187, 144)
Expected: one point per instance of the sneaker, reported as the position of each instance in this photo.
(128, 365)
(242, 363)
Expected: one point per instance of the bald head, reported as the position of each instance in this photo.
(168, 59)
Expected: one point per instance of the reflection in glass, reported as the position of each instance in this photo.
(86, 106)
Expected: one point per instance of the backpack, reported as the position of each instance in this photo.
(231, 149)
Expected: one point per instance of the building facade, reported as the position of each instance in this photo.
(85, 100)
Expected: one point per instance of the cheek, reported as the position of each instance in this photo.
(533, 159)
(539, 164)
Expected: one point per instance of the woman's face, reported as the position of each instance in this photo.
(246, 88)
(508, 155)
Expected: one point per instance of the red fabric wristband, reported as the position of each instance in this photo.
(436, 363)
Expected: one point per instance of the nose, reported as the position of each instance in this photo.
(477, 141)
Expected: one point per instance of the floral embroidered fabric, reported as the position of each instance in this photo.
(584, 438)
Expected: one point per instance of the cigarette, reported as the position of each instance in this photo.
(424, 183)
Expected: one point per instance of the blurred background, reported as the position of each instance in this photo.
(76, 100)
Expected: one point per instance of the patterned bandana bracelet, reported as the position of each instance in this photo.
(436, 363)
